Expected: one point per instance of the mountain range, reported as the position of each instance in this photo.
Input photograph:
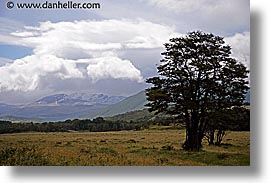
(76, 105)
(60, 107)
(77, 99)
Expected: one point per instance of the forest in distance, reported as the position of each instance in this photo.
(142, 120)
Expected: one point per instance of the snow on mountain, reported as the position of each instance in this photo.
(78, 99)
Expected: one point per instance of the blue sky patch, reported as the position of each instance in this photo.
(14, 52)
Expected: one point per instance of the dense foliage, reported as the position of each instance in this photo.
(197, 76)
(233, 119)
(96, 125)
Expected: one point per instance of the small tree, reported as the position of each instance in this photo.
(235, 118)
(197, 75)
(218, 122)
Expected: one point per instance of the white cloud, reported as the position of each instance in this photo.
(240, 43)
(89, 51)
(113, 67)
(8, 26)
(26, 73)
(81, 49)
(4, 61)
(68, 38)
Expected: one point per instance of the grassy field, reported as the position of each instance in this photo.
(154, 147)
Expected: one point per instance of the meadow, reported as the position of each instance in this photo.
(150, 147)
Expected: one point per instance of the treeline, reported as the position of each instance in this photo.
(234, 119)
(96, 125)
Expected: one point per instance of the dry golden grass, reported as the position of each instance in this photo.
(141, 148)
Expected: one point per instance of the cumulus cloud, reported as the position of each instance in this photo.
(86, 50)
(65, 39)
(89, 51)
(113, 67)
(240, 43)
(26, 73)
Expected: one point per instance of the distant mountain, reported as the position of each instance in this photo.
(79, 105)
(132, 103)
(20, 119)
(5, 108)
(55, 113)
(78, 99)
(130, 107)
(59, 107)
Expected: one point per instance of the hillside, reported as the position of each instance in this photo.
(139, 115)
(132, 103)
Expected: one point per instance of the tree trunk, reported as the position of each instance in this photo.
(193, 141)
(193, 137)
(220, 135)
(211, 137)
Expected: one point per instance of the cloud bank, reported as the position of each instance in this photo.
(26, 73)
(89, 51)
(79, 50)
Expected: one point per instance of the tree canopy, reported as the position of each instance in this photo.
(197, 75)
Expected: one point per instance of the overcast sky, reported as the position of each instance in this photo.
(110, 50)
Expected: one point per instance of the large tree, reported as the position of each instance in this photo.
(197, 75)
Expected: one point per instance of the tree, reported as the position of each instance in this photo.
(220, 121)
(196, 75)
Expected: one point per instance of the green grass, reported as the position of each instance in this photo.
(154, 147)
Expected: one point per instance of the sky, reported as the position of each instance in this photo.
(111, 50)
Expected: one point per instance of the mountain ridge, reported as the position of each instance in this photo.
(78, 99)
(59, 107)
